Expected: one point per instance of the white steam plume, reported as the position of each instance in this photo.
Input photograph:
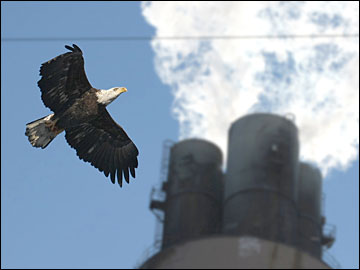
(214, 82)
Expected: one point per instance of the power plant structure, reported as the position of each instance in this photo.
(265, 211)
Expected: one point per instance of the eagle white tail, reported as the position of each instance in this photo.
(42, 131)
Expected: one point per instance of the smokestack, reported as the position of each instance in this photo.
(266, 214)
(309, 210)
(261, 177)
(193, 192)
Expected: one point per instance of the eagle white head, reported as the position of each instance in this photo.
(107, 96)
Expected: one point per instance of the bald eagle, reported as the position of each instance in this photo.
(80, 111)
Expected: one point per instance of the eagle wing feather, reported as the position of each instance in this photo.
(105, 144)
(63, 80)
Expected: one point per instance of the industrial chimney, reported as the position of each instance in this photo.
(193, 192)
(311, 238)
(261, 178)
(264, 212)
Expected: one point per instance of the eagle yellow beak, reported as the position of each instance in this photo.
(123, 89)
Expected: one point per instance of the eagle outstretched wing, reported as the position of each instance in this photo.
(104, 144)
(63, 79)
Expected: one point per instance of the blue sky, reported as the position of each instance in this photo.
(59, 212)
